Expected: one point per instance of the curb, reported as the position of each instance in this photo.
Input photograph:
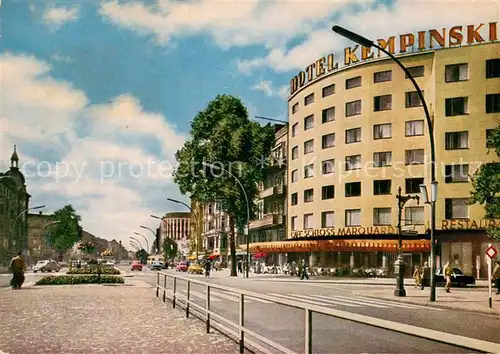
(446, 307)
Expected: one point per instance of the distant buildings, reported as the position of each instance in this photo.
(176, 226)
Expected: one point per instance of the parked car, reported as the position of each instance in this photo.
(195, 268)
(137, 266)
(458, 278)
(181, 267)
(156, 265)
(46, 266)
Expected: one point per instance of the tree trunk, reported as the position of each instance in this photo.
(232, 247)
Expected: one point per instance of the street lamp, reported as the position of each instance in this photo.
(145, 239)
(430, 125)
(136, 240)
(22, 213)
(154, 234)
(248, 211)
(134, 245)
(197, 222)
(399, 266)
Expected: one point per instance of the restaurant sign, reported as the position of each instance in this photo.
(466, 224)
(345, 231)
(423, 40)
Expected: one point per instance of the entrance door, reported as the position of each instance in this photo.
(407, 258)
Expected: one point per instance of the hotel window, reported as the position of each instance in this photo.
(295, 129)
(328, 141)
(382, 187)
(293, 223)
(489, 135)
(309, 99)
(295, 176)
(414, 215)
(328, 90)
(309, 171)
(309, 122)
(327, 192)
(382, 159)
(308, 221)
(457, 140)
(308, 195)
(353, 135)
(353, 217)
(382, 216)
(308, 146)
(493, 103)
(353, 189)
(456, 173)
(414, 128)
(382, 103)
(416, 71)
(456, 72)
(414, 157)
(353, 108)
(382, 76)
(456, 208)
(353, 162)
(327, 219)
(295, 152)
(328, 166)
(295, 108)
(353, 82)
(456, 106)
(382, 131)
(492, 68)
(295, 199)
(328, 115)
(412, 99)
(413, 185)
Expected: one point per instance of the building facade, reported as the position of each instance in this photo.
(358, 133)
(177, 227)
(270, 224)
(14, 202)
(37, 247)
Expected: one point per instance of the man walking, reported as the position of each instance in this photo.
(426, 275)
(496, 275)
(304, 270)
(17, 267)
(447, 272)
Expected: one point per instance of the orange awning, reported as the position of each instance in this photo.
(340, 245)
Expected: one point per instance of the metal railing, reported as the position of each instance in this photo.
(209, 316)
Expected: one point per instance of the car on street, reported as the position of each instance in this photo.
(137, 266)
(458, 278)
(181, 267)
(156, 265)
(47, 266)
(195, 268)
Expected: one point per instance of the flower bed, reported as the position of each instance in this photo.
(111, 271)
(73, 280)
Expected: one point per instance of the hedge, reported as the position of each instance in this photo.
(113, 271)
(85, 279)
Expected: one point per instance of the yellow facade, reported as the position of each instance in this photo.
(468, 150)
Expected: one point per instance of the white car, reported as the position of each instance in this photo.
(46, 266)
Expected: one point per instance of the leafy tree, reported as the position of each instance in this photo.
(170, 248)
(63, 235)
(142, 255)
(223, 135)
(486, 185)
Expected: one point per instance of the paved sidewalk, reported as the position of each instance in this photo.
(470, 300)
(70, 319)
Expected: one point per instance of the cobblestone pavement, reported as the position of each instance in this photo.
(99, 319)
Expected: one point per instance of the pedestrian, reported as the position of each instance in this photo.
(207, 268)
(447, 272)
(17, 267)
(417, 276)
(496, 275)
(240, 268)
(426, 275)
(304, 271)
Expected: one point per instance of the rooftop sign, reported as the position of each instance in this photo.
(423, 40)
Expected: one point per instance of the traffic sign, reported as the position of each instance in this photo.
(491, 252)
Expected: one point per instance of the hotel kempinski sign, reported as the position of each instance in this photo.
(431, 39)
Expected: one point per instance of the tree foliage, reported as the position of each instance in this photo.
(170, 248)
(223, 135)
(486, 185)
(142, 256)
(63, 235)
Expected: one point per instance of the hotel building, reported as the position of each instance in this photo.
(358, 134)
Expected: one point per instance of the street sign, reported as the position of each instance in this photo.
(491, 251)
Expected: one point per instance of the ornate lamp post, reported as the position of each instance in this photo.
(399, 265)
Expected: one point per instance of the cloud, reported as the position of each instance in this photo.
(62, 59)
(268, 89)
(56, 17)
(112, 161)
(376, 22)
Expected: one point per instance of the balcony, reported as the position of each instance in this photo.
(268, 220)
(272, 191)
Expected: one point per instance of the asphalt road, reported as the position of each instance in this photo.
(285, 325)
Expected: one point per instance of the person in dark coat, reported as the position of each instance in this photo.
(17, 267)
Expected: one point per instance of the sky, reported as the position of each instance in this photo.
(99, 95)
